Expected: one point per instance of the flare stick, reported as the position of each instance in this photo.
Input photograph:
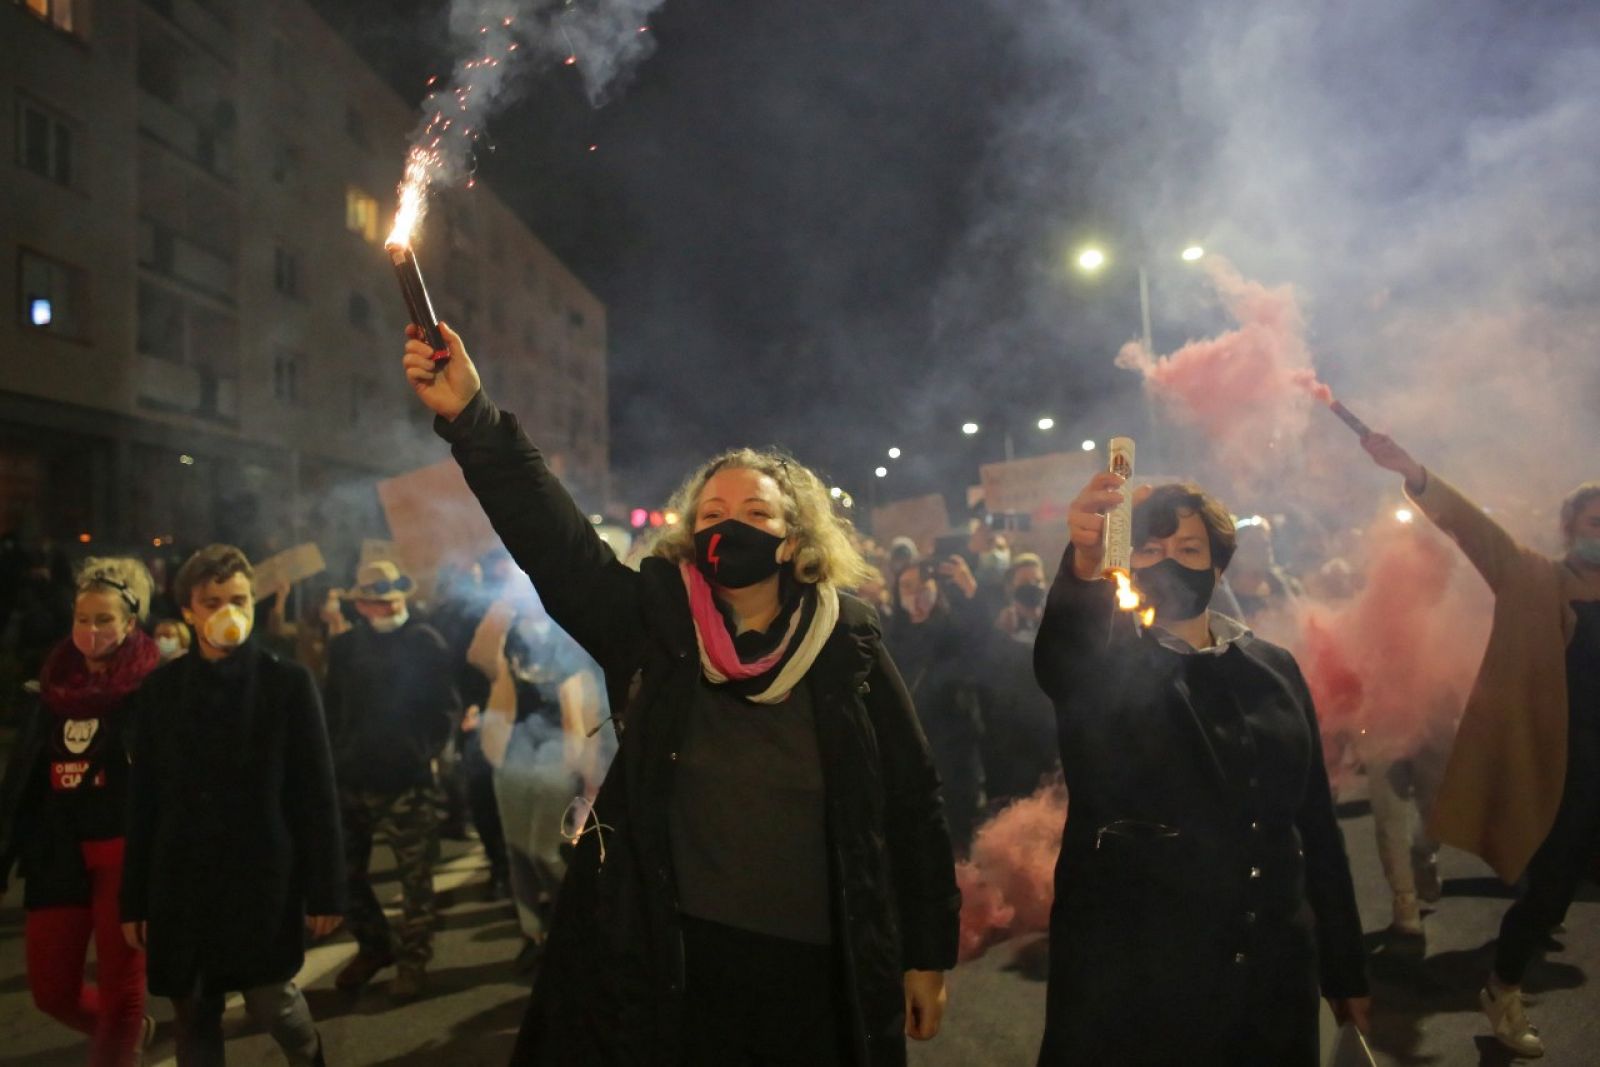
(418, 306)
(1348, 417)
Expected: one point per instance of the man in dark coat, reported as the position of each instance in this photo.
(233, 826)
(1203, 895)
(392, 703)
(612, 986)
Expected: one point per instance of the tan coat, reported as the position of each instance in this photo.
(1506, 772)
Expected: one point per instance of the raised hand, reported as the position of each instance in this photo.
(448, 387)
(1386, 453)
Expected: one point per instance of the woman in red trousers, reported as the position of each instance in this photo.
(62, 807)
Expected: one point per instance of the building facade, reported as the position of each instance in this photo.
(206, 331)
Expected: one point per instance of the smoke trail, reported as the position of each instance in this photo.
(498, 45)
(1247, 389)
(1009, 883)
(1389, 668)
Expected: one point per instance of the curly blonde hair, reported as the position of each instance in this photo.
(124, 576)
(824, 543)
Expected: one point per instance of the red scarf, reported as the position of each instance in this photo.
(69, 688)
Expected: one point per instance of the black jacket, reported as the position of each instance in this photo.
(610, 990)
(233, 830)
(391, 702)
(1202, 874)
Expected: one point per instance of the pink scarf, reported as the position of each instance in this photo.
(714, 635)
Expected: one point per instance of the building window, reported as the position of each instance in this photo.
(286, 378)
(52, 296)
(360, 312)
(361, 213)
(57, 13)
(286, 272)
(44, 142)
(161, 323)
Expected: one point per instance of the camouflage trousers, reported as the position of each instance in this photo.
(409, 822)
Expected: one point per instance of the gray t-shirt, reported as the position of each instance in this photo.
(748, 822)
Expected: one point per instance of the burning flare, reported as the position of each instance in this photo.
(420, 166)
(1128, 598)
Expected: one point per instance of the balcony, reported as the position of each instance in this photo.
(208, 31)
(168, 253)
(210, 150)
(169, 385)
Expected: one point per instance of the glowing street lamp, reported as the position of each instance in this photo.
(1091, 259)
(882, 472)
(894, 453)
(969, 428)
(1088, 446)
(1193, 254)
(1047, 423)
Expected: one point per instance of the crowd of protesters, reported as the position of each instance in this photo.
(818, 725)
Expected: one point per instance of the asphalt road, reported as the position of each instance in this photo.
(1426, 1014)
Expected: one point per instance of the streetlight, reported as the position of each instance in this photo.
(969, 428)
(1047, 423)
(1193, 254)
(882, 472)
(836, 492)
(1088, 446)
(1091, 259)
(894, 453)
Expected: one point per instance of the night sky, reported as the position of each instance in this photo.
(772, 209)
(843, 226)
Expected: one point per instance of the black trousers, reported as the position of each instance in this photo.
(479, 775)
(751, 1000)
(1562, 862)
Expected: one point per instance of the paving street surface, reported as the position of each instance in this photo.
(1426, 1013)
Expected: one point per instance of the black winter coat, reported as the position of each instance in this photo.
(233, 830)
(610, 990)
(1202, 876)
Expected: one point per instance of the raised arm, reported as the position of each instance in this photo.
(588, 592)
(1079, 612)
(1486, 544)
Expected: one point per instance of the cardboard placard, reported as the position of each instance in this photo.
(1040, 486)
(923, 519)
(434, 518)
(288, 567)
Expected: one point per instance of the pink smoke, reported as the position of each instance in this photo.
(1009, 883)
(1390, 668)
(1246, 390)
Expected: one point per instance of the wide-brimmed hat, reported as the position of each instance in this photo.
(381, 580)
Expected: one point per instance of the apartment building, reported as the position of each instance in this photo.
(205, 335)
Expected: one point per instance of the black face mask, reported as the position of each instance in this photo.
(1175, 591)
(734, 554)
(1029, 596)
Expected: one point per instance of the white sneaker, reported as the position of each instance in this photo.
(1407, 915)
(1511, 1026)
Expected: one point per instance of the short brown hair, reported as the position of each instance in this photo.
(1158, 517)
(214, 563)
(1575, 502)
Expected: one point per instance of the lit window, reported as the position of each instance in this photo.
(51, 296)
(361, 213)
(44, 143)
(57, 13)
